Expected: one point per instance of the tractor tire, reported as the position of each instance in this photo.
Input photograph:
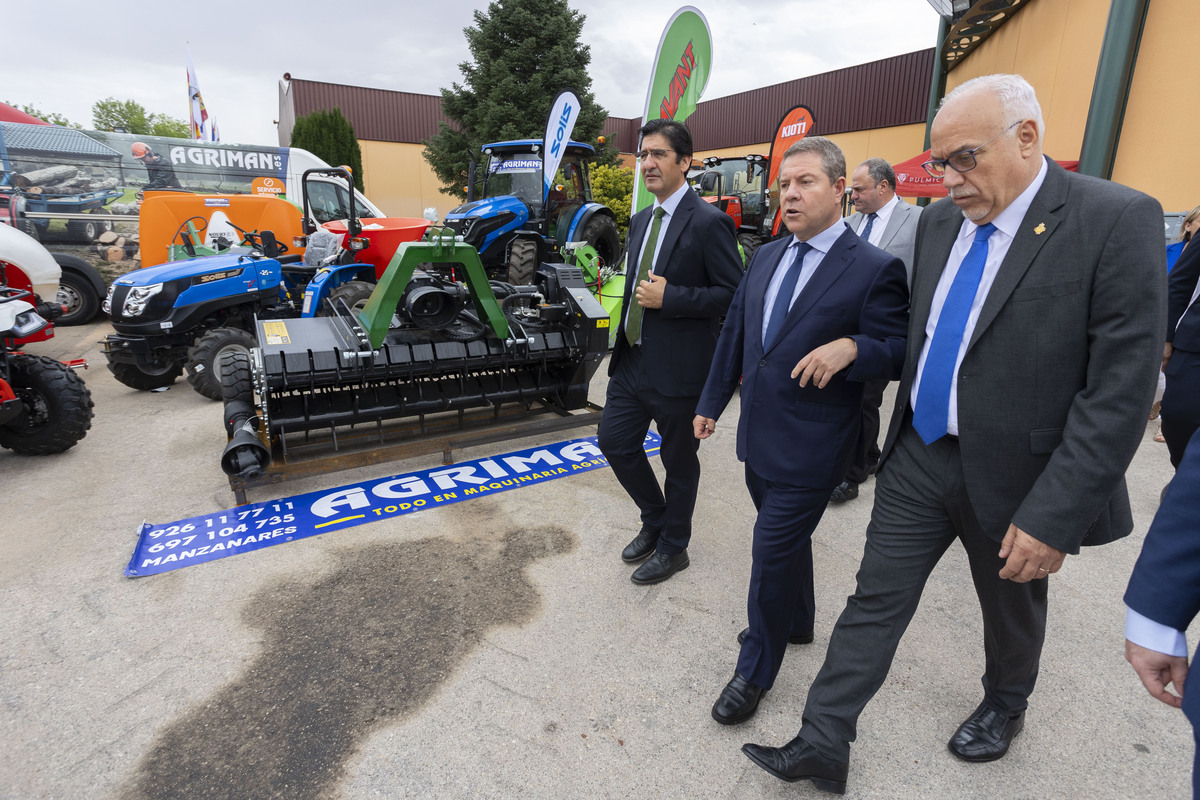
(601, 233)
(145, 377)
(204, 358)
(522, 262)
(237, 382)
(354, 293)
(26, 226)
(77, 295)
(86, 231)
(58, 407)
(749, 243)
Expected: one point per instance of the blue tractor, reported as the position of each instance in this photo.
(519, 224)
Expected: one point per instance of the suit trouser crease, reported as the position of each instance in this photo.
(921, 507)
(780, 601)
(631, 404)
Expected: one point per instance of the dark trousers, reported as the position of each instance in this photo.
(780, 602)
(867, 452)
(629, 408)
(921, 507)
(1181, 403)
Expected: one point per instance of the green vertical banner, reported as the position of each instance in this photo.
(681, 71)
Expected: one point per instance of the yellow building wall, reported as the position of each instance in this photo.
(1157, 149)
(1055, 45)
(400, 181)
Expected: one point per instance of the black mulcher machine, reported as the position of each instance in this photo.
(428, 358)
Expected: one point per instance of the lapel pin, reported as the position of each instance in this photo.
(1040, 229)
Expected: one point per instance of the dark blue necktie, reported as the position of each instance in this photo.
(932, 412)
(865, 233)
(783, 300)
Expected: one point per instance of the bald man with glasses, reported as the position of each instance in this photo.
(1038, 305)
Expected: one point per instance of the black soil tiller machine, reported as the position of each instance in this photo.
(494, 355)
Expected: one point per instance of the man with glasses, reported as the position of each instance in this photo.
(682, 267)
(1038, 305)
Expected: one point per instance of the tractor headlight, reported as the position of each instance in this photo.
(107, 305)
(138, 297)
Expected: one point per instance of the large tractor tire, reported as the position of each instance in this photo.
(86, 231)
(601, 233)
(204, 358)
(58, 406)
(522, 262)
(237, 383)
(77, 295)
(749, 243)
(144, 376)
(354, 293)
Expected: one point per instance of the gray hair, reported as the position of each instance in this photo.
(1016, 97)
(833, 161)
(880, 171)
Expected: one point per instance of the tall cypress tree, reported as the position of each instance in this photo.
(523, 53)
(330, 137)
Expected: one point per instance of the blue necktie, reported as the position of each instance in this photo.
(865, 233)
(783, 300)
(932, 412)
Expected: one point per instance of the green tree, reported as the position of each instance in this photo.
(49, 116)
(329, 136)
(130, 115)
(523, 53)
(613, 186)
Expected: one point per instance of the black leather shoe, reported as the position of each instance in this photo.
(844, 491)
(660, 567)
(738, 701)
(805, 639)
(986, 734)
(797, 761)
(642, 545)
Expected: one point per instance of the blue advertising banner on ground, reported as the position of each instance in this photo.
(162, 548)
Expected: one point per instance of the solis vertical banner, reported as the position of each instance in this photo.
(681, 71)
(563, 114)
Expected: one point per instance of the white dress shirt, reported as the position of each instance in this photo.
(820, 244)
(1142, 630)
(882, 217)
(1007, 223)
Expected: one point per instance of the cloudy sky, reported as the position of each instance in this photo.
(75, 52)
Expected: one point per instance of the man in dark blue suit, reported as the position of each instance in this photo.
(1164, 596)
(1181, 356)
(682, 270)
(816, 315)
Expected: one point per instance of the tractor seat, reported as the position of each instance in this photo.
(323, 248)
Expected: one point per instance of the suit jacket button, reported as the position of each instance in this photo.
(762, 363)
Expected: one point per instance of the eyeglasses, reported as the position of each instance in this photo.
(963, 160)
(655, 155)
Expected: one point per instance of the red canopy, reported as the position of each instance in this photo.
(913, 181)
(10, 114)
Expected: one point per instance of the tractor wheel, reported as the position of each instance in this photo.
(86, 231)
(204, 358)
(601, 233)
(76, 294)
(522, 262)
(749, 243)
(58, 407)
(145, 376)
(237, 382)
(354, 293)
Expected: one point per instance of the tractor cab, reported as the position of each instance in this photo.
(738, 187)
(519, 222)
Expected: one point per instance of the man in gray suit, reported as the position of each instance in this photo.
(889, 223)
(1038, 306)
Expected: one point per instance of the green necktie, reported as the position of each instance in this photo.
(633, 325)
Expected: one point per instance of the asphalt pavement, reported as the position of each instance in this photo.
(495, 647)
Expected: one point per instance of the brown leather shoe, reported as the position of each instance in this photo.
(797, 761)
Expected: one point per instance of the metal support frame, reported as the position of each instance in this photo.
(1110, 91)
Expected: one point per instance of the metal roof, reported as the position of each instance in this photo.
(18, 137)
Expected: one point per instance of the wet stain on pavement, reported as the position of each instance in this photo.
(364, 646)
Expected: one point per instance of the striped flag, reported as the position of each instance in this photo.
(197, 113)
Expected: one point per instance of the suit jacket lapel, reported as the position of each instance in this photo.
(940, 236)
(637, 233)
(895, 223)
(1036, 229)
(759, 278)
(679, 221)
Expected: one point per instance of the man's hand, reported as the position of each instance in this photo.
(826, 361)
(1028, 559)
(649, 294)
(1168, 349)
(703, 427)
(1157, 671)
